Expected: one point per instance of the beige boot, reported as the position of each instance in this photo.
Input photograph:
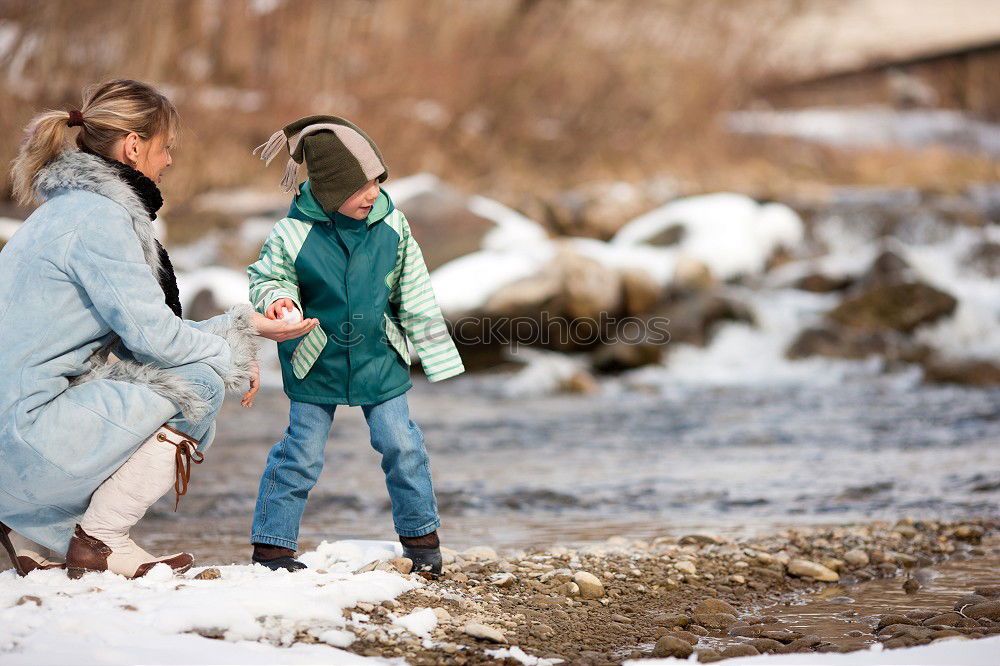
(26, 555)
(101, 541)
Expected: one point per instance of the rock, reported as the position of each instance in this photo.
(484, 632)
(714, 606)
(781, 635)
(715, 620)
(692, 274)
(618, 356)
(442, 212)
(949, 619)
(371, 566)
(701, 540)
(502, 579)
(671, 646)
(28, 599)
(890, 619)
(570, 589)
(990, 591)
(887, 269)
(968, 600)
(694, 317)
(967, 372)
(621, 618)
(686, 636)
(742, 650)
(589, 584)
(984, 257)
(208, 574)
(671, 620)
(708, 655)
(442, 614)
(542, 631)
(459, 577)
(988, 609)
(821, 284)
(479, 554)
(640, 293)
(857, 558)
(911, 585)
(808, 569)
(685, 566)
(804, 644)
(403, 565)
(765, 644)
(899, 307)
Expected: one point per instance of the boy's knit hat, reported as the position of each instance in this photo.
(339, 156)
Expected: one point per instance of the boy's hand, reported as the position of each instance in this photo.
(248, 397)
(274, 309)
(279, 331)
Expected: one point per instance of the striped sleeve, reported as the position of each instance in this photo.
(272, 276)
(419, 313)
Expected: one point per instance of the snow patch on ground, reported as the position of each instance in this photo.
(257, 613)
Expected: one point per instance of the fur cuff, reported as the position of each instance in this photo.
(242, 338)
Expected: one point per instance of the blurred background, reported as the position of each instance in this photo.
(807, 191)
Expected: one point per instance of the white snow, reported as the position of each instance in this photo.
(979, 652)
(106, 619)
(465, 284)
(545, 372)
(730, 233)
(514, 652)
(227, 286)
(513, 230)
(421, 621)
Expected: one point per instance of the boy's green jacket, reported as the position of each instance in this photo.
(366, 282)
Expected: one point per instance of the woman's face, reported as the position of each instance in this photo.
(151, 158)
(154, 157)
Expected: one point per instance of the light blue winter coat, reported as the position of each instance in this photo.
(77, 282)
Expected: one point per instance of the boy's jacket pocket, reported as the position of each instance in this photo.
(307, 351)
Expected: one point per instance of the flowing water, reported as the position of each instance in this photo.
(573, 469)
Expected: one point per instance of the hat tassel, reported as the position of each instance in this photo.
(270, 149)
(290, 181)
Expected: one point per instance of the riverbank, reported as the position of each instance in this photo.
(603, 604)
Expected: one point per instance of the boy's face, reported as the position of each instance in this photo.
(360, 203)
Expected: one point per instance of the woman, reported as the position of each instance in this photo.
(87, 445)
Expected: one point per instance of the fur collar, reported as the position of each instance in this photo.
(74, 170)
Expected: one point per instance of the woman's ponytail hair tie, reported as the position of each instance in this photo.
(75, 118)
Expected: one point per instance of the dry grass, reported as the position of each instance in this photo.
(500, 96)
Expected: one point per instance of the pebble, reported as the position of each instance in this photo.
(621, 618)
(911, 585)
(738, 579)
(590, 586)
(542, 631)
(403, 565)
(856, 558)
(715, 620)
(686, 566)
(708, 655)
(890, 619)
(459, 577)
(441, 614)
(368, 567)
(741, 650)
(570, 589)
(208, 574)
(809, 569)
(987, 609)
(484, 632)
(502, 579)
(672, 646)
(479, 553)
(686, 636)
(714, 606)
(672, 620)
(765, 644)
(29, 599)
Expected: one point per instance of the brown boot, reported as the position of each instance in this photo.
(276, 557)
(22, 555)
(89, 554)
(101, 541)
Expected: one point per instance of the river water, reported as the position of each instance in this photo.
(572, 469)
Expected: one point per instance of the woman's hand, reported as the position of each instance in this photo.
(248, 397)
(279, 331)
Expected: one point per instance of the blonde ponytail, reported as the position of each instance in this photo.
(45, 138)
(110, 111)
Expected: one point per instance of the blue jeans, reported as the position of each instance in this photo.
(295, 462)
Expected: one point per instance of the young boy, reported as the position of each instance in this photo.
(344, 257)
